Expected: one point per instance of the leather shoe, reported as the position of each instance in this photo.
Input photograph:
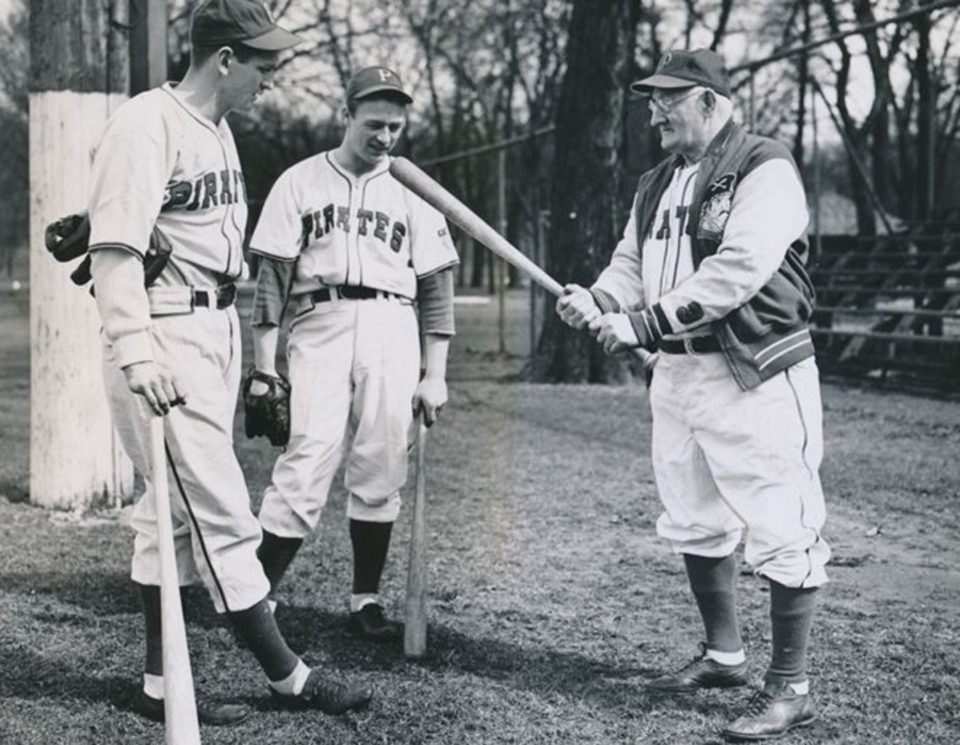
(772, 712)
(326, 694)
(215, 715)
(369, 623)
(701, 672)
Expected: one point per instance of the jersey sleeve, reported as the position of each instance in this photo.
(131, 167)
(274, 279)
(431, 245)
(279, 233)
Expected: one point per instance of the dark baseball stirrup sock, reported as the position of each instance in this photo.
(258, 629)
(791, 615)
(150, 597)
(712, 583)
(370, 543)
(276, 553)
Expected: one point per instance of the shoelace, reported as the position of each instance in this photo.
(699, 658)
(328, 689)
(758, 703)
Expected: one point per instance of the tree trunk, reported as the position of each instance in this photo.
(78, 77)
(926, 121)
(586, 212)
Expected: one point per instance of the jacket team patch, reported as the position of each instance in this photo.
(716, 205)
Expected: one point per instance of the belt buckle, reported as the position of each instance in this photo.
(688, 345)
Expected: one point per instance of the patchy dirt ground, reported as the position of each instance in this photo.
(551, 598)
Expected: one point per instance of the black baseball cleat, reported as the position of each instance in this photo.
(214, 715)
(326, 694)
(369, 623)
(772, 712)
(701, 672)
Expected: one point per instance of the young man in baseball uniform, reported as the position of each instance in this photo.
(710, 272)
(349, 250)
(167, 159)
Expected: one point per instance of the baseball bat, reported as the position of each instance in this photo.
(415, 622)
(180, 707)
(471, 223)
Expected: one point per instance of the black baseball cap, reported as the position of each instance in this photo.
(376, 79)
(685, 69)
(247, 22)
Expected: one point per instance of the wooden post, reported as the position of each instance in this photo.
(500, 264)
(78, 77)
(148, 44)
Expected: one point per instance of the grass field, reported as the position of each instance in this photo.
(551, 599)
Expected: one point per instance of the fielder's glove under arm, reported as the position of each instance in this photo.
(69, 238)
(269, 413)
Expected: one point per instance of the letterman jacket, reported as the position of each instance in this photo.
(766, 333)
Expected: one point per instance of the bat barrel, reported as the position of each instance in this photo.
(457, 212)
(415, 625)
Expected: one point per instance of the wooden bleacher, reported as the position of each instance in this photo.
(888, 308)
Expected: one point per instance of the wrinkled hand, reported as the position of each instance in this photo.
(615, 332)
(576, 307)
(158, 386)
(431, 395)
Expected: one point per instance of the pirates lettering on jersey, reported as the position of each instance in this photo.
(318, 223)
(663, 233)
(212, 189)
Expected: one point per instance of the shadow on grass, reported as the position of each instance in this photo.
(540, 671)
(14, 492)
(28, 675)
(106, 593)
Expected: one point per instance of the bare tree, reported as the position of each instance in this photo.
(14, 144)
(586, 212)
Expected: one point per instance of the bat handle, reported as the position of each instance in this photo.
(180, 707)
(649, 359)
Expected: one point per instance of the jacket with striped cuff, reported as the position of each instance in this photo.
(766, 331)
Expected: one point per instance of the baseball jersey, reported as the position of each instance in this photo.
(162, 163)
(344, 229)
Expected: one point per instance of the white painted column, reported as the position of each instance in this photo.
(75, 459)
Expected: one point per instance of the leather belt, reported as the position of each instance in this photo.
(221, 298)
(350, 292)
(694, 345)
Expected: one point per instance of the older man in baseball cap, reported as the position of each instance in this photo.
(721, 293)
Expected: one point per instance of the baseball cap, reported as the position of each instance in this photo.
(244, 21)
(372, 80)
(685, 69)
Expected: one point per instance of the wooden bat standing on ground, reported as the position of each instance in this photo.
(180, 706)
(415, 622)
(434, 194)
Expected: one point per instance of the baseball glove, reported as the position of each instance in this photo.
(269, 413)
(69, 238)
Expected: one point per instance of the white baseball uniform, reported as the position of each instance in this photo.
(161, 162)
(353, 363)
(726, 459)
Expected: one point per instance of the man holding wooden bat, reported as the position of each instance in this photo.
(710, 271)
(168, 160)
(350, 250)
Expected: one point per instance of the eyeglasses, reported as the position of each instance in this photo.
(665, 107)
